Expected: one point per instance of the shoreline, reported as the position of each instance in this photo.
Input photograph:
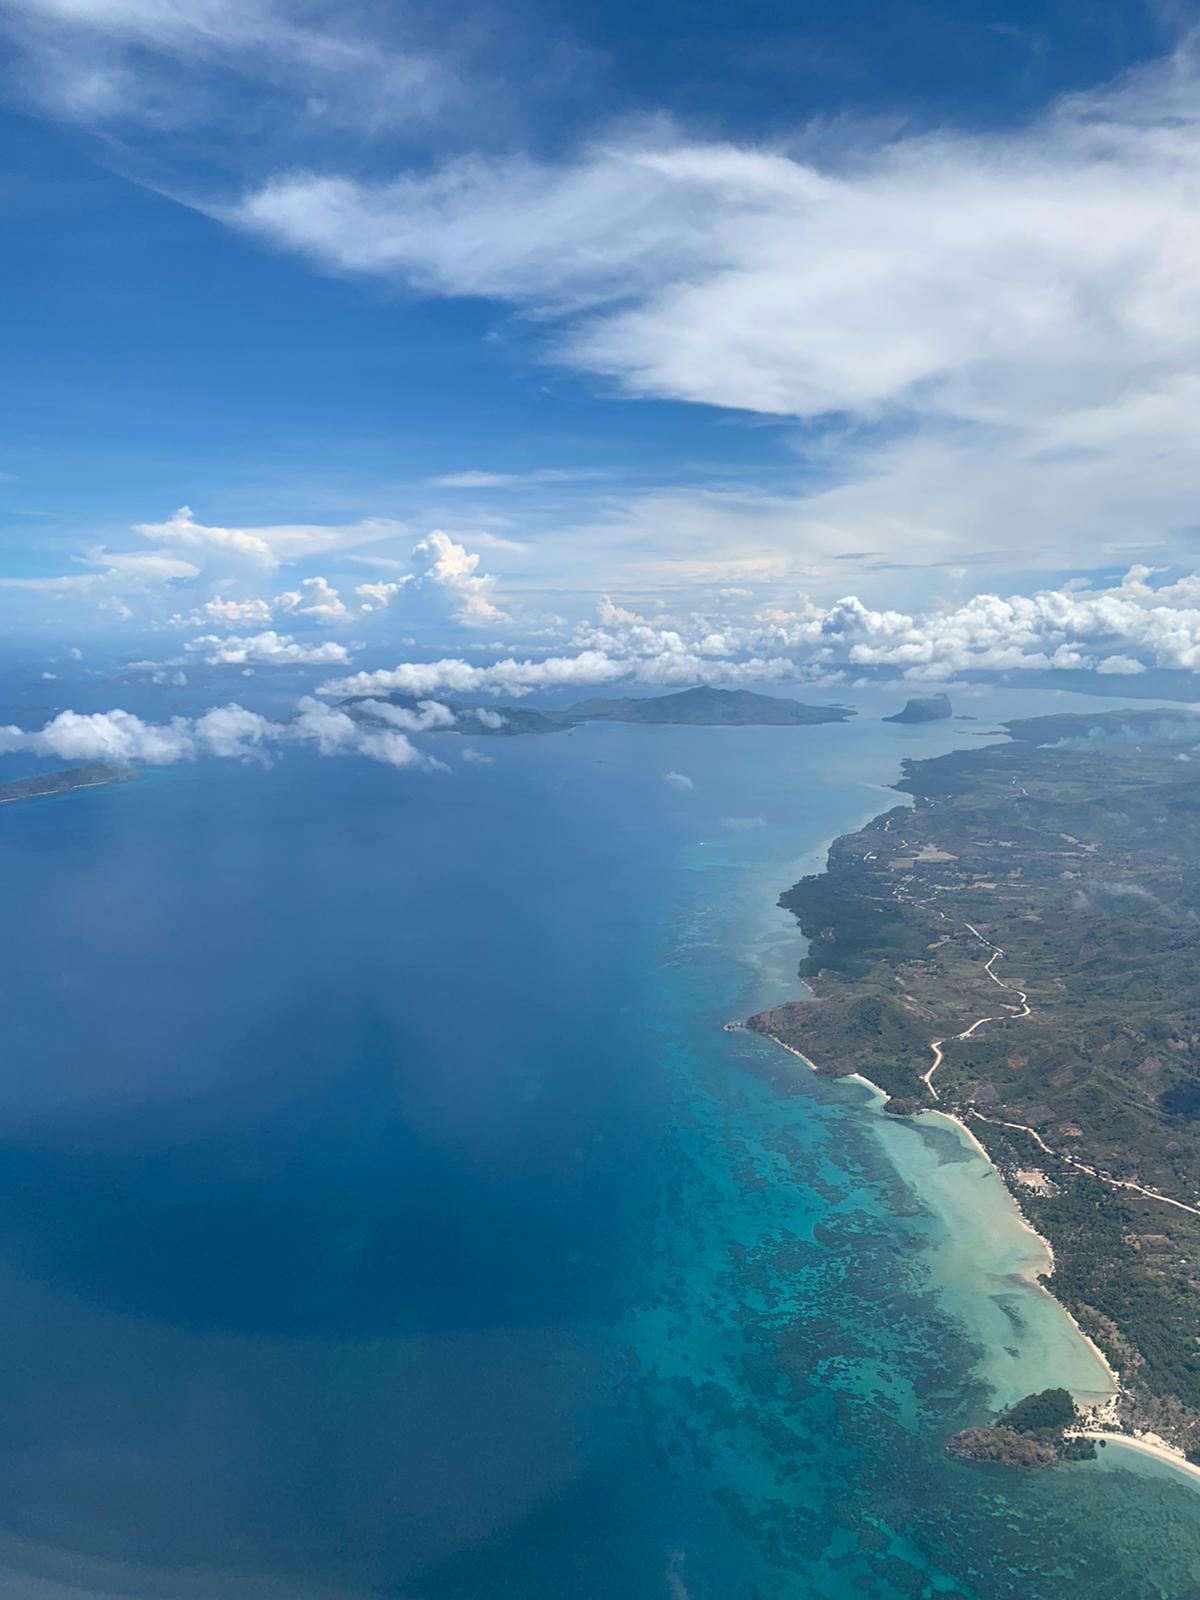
(1114, 1376)
(1150, 1445)
(1101, 1418)
(1034, 1279)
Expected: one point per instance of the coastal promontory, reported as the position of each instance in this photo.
(924, 708)
(1018, 948)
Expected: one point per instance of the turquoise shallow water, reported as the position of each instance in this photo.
(383, 1209)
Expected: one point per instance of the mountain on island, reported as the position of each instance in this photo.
(700, 707)
(924, 708)
(708, 708)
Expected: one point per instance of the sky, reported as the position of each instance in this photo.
(503, 349)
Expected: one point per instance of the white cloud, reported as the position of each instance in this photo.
(449, 570)
(116, 736)
(232, 731)
(378, 596)
(267, 546)
(228, 732)
(446, 583)
(315, 598)
(743, 824)
(236, 611)
(476, 758)
(678, 780)
(265, 649)
(336, 733)
(1019, 308)
(501, 677)
(1122, 629)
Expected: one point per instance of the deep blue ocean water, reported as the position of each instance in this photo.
(383, 1209)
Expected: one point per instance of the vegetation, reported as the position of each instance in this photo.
(1033, 1433)
(1051, 1410)
(1065, 866)
(51, 783)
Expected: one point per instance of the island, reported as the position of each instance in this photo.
(701, 707)
(93, 776)
(924, 708)
(1018, 949)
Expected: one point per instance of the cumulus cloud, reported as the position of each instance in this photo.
(378, 596)
(462, 677)
(476, 758)
(448, 570)
(114, 571)
(229, 732)
(1124, 629)
(265, 649)
(234, 611)
(315, 598)
(678, 780)
(116, 736)
(335, 733)
(429, 714)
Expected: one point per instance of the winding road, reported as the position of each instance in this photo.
(1019, 1011)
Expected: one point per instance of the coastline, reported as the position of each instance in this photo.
(1101, 1400)
(1150, 1446)
(1032, 1275)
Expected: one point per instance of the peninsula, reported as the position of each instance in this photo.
(924, 708)
(1019, 950)
(92, 776)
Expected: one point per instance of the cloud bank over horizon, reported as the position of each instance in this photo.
(957, 366)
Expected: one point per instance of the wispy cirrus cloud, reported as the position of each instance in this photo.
(997, 333)
(167, 63)
(267, 546)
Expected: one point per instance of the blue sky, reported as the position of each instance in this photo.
(716, 316)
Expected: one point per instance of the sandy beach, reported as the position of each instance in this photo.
(991, 1260)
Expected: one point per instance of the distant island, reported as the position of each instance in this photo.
(702, 707)
(924, 708)
(1019, 950)
(93, 776)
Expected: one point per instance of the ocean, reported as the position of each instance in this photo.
(384, 1210)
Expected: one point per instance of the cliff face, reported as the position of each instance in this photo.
(924, 708)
